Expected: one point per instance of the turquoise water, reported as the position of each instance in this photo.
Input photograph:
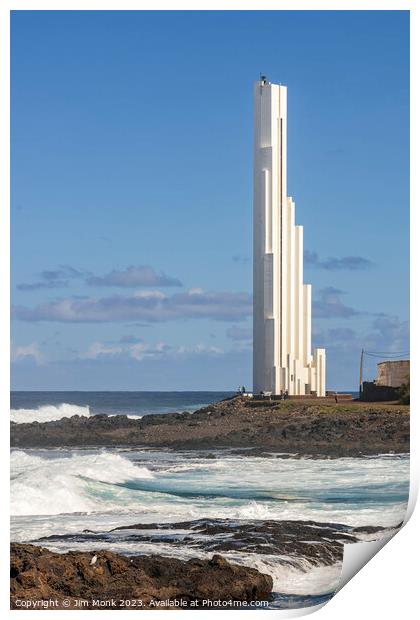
(68, 491)
(63, 492)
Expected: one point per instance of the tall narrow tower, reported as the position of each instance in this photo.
(283, 359)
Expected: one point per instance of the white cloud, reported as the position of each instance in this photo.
(134, 275)
(140, 351)
(32, 351)
(152, 306)
(329, 305)
(195, 291)
(149, 295)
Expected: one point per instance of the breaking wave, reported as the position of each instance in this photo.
(162, 486)
(72, 483)
(57, 492)
(48, 413)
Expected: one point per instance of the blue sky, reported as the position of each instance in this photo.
(132, 190)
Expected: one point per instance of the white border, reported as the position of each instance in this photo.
(387, 586)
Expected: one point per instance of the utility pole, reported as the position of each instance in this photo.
(361, 374)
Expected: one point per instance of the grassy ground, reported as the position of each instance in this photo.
(328, 406)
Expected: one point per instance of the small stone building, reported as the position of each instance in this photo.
(393, 374)
(390, 377)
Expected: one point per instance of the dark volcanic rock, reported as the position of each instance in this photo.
(38, 574)
(318, 544)
(298, 427)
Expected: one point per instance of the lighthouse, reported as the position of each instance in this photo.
(283, 359)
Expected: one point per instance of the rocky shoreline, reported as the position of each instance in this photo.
(293, 542)
(56, 571)
(42, 579)
(312, 428)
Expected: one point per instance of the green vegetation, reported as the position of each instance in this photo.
(404, 392)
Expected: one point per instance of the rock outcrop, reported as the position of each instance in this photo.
(296, 427)
(293, 542)
(98, 579)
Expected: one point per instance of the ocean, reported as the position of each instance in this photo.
(45, 406)
(59, 494)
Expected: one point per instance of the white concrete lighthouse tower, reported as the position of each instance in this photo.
(283, 359)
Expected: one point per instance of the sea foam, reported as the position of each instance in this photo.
(68, 484)
(48, 413)
(301, 579)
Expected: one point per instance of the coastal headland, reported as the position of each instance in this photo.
(302, 427)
